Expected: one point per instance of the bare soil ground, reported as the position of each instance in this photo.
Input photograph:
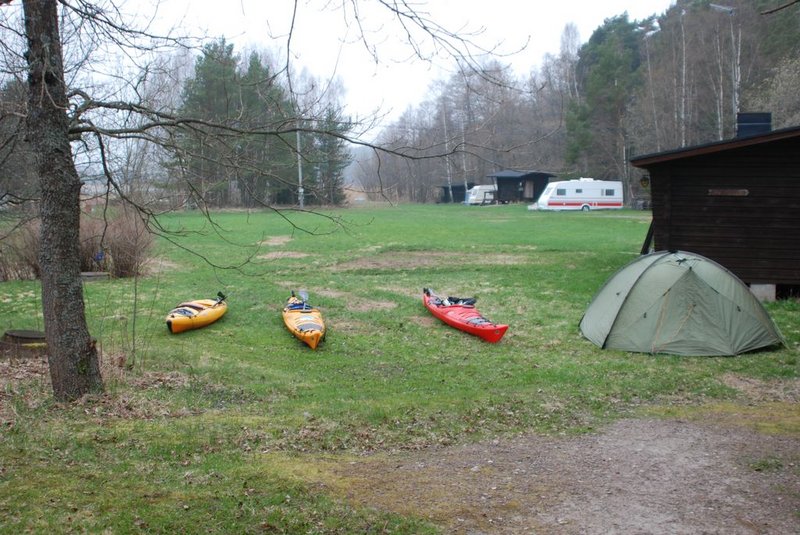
(283, 254)
(636, 476)
(728, 469)
(416, 259)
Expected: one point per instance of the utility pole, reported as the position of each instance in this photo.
(464, 156)
(300, 196)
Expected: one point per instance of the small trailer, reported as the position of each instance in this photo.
(580, 194)
(482, 194)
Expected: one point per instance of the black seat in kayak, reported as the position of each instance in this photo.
(191, 305)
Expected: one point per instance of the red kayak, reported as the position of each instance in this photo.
(461, 314)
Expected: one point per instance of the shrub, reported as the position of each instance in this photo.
(19, 252)
(119, 244)
(92, 235)
(128, 242)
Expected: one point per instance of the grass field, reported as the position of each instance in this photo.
(206, 430)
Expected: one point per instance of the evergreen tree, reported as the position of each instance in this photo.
(607, 77)
(330, 159)
(266, 164)
(234, 162)
(213, 94)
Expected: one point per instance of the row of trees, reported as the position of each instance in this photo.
(233, 163)
(634, 87)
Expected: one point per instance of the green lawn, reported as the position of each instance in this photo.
(185, 441)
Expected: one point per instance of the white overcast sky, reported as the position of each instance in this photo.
(325, 46)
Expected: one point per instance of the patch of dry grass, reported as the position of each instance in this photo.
(416, 259)
(274, 255)
(276, 241)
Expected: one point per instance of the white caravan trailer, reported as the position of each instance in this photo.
(483, 194)
(580, 194)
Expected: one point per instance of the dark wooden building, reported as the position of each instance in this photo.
(518, 186)
(735, 201)
(459, 192)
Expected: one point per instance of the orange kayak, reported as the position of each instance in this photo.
(195, 314)
(304, 321)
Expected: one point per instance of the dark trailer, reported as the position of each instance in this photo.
(735, 201)
(518, 186)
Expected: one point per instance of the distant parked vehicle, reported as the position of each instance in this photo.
(484, 194)
(580, 194)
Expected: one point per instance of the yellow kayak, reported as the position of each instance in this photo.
(196, 314)
(303, 320)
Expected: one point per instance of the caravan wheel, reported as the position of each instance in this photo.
(585, 208)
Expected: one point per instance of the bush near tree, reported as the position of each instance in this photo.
(119, 244)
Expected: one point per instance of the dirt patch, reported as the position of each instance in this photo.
(336, 294)
(636, 476)
(350, 327)
(159, 380)
(283, 254)
(427, 321)
(358, 304)
(417, 259)
(27, 380)
(370, 305)
(762, 391)
(405, 291)
(21, 378)
(154, 266)
(275, 241)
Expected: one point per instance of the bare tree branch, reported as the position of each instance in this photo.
(780, 7)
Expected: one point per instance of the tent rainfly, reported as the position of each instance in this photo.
(679, 303)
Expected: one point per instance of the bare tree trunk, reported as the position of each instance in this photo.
(720, 94)
(682, 125)
(74, 364)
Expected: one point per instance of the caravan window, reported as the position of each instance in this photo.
(561, 191)
(579, 190)
(608, 192)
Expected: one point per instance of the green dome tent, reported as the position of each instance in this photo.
(680, 303)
